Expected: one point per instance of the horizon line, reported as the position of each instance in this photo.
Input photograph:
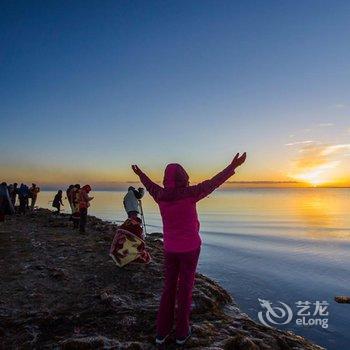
(121, 185)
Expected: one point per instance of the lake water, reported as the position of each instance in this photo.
(281, 245)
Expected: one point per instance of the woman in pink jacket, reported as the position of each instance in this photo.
(177, 203)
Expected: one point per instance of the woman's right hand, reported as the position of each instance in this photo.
(238, 160)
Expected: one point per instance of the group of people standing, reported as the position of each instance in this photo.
(79, 202)
(9, 195)
(21, 199)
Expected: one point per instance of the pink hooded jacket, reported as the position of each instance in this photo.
(177, 204)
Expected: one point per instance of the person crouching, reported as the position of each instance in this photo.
(57, 202)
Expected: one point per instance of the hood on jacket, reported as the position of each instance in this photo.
(175, 176)
(86, 188)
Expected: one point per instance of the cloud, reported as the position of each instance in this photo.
(324, 125)
(318, 163)
(299, 143)
(336, 149)
(339, 105)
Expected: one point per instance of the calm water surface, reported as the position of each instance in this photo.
(284, 245)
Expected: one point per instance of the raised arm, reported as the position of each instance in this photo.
(153, 189)
(139, 193)
(206, 187)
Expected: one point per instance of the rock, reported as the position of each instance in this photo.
(100, 342)
(58, 273)
(155, 235)
(342, 299)
(240, 342)
(60, 289)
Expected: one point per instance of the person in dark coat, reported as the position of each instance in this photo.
(6, 207)
(57, 202)
(69, 193)
(23, 195)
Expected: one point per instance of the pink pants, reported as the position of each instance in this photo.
(180, 269)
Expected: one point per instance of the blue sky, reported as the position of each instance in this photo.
(89, 87)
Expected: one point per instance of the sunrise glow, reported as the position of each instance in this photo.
(314, 178)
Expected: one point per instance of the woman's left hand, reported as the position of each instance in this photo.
(136, 169)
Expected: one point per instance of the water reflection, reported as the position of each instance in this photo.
(309, 213)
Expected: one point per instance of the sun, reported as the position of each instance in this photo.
(313, 177)
(318, 175)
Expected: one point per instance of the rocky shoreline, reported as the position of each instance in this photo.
(61, 290)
